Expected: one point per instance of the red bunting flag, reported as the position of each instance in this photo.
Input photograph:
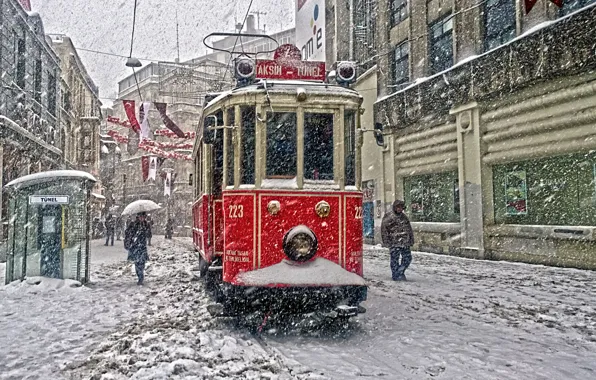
(161, 107)
(129, 108)
(530, 4)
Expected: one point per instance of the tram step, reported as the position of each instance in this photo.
(215, 269)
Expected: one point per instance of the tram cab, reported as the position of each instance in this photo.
(278, 205)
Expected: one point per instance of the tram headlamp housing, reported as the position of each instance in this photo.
(300, 243)
(244, 68)
(346, 72)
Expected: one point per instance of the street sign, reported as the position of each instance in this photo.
(290, 69)
(48, 199)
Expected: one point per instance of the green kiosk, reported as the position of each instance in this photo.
(48, 230)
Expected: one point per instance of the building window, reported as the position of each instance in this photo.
(400, 65)
(499, 16)
(365, 14)
(441, 45)
(399, 11)
(433, 197)
(21, 63)
(52, 94)
(37, 80)
(573, 5)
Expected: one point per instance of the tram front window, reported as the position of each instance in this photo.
(281, 145)
(318, 146)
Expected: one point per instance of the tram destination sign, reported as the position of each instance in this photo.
(290, 70)
(48, 199)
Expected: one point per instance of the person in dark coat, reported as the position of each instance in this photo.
(110, 226)
(169, 228)
(119, 225)
(397, 235)
(137, 241)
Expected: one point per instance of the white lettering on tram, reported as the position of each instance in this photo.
(237, 256)
(269, 70)
(309, 71)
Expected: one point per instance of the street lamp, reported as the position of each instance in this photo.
(133, 62)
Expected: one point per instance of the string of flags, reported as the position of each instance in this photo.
(153, 147)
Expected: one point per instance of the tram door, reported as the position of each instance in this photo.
(50, 239)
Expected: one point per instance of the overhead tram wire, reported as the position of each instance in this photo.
(132, 37)
(236, 42)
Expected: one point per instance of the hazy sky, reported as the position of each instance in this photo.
(106, 25)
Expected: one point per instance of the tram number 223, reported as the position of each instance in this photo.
(358, 212)
(236, 211)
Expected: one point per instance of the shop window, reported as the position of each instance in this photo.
(553, 191)
(441, 45)
(399, 11)
(350, 147)
(230, 148)
(570, 6)
(247, 154)
(400, 66)
(281, 144)
(318, 146)
(499, 17)
(433, 197)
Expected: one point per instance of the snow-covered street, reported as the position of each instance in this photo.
(454, 319)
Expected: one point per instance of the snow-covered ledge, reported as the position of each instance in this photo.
(453, 228)
(584, 233)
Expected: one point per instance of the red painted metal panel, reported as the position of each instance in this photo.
(299, 208)
(240, 233)
(353, 238)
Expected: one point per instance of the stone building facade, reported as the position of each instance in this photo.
(489, 118)
(30, 134)
(80, 114)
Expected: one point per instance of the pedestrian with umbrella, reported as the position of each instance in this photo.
(136, 235)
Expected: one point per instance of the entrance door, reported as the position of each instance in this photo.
(50, 239)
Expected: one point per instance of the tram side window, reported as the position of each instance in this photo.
(218, 157)
(281, 144)
(230, 152)
(350, 147)
(318, 146)
(248, 145)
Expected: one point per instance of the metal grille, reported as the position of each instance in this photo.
(365, 13)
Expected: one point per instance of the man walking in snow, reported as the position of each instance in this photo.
(397, 235)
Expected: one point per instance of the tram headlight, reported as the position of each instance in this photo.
(300, 243)
(346, 72)
(244, 68)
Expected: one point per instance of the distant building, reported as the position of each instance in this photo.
(80, 113)
(30, 136)
(183, 87)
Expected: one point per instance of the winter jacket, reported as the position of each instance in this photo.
(138, 246)
(396, 230)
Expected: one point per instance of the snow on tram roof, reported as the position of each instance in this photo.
(41, 177)
(277, 86)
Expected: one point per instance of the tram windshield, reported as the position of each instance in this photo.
(281, 145)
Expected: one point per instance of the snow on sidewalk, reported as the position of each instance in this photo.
(114, 329)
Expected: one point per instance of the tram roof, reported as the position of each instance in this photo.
(42, 177)
(286, 86)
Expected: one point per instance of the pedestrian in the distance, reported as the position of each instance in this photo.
(397, 235)
(136, 238)
(169, 228)
(119, 225)
(110, 225)
(149, 222)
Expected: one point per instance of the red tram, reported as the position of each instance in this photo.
(278, 206)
